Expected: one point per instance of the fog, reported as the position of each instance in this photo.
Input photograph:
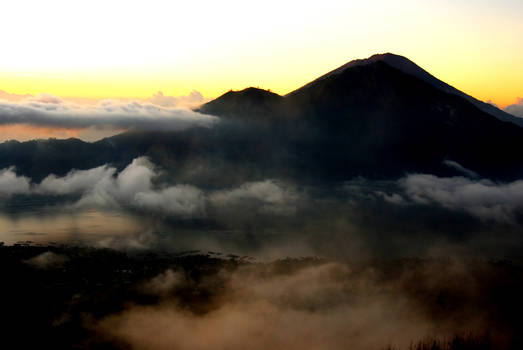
(311, 305)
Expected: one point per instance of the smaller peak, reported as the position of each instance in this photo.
(250, 101)
(253, 91)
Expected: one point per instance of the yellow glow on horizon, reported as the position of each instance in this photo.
(101, 49)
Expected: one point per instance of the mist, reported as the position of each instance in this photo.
(152, 208)
(313, 304)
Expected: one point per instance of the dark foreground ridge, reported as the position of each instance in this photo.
(75, 297)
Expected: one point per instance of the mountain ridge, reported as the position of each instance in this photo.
(372, 120)
(404, 65)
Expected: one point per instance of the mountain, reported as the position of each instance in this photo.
(385, 116)
(251, 104)
(381, 117)
(408, 67)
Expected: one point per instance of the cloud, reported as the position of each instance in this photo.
(77, 181)
(11, 184)
(165, 283)
(51, 111)
(194, 99)
(489, 101)
(104, 187)
(181, 200)
(483, 198)
(489, 201)
(6, 96)
(133, 187)
(516, 108)
(456, 166)
(269, 195)
(47, 260)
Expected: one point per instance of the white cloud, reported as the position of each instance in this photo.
(484, 199)
(11, 184)
(134, 187)
(77, 181)
(51, 111)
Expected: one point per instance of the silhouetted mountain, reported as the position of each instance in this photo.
(378, 118)
(406, 66)
(250, 104)
(384, 116)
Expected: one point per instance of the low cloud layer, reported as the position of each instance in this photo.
(51, 111)
(484, 199)
(418, 214)
(134, 187)
(516, 108)
(271, 197)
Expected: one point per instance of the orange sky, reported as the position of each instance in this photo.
(133, 49)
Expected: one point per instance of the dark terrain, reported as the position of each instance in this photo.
(60, 302)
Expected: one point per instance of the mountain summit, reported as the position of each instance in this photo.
(406, 66)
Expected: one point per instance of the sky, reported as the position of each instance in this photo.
(133, 49)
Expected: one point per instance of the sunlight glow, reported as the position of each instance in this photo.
(132, 48)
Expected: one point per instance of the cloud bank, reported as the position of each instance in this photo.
(51, 111)
(134, 187)
(483, 198)
(419, 214)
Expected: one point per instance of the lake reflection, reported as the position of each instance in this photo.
(127, 229)
(82, 226)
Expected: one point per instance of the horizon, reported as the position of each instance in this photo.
(88, 99)
(277, 46)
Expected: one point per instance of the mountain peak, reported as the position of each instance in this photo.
(245, 104)
(396, 61)
(389, 58)
(406, 66)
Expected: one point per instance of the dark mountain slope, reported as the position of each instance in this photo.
(379, 118)
(251, 104)
(369, 118)
(406, 66)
